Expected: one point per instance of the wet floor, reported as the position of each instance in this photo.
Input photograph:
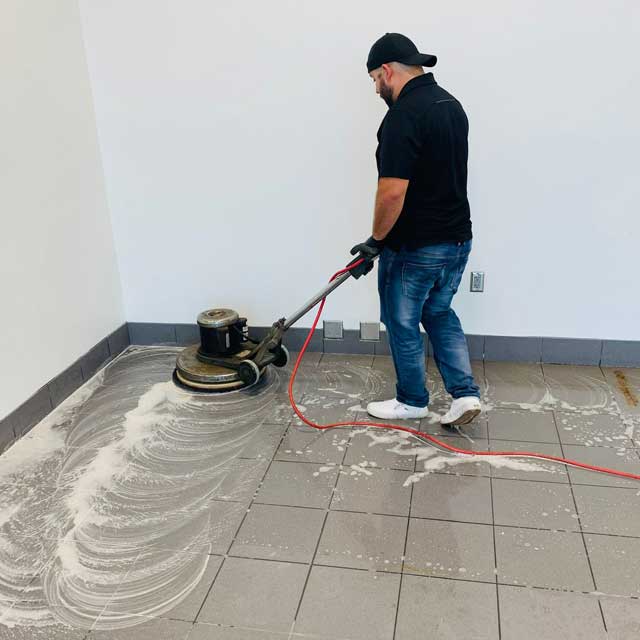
(139, 510)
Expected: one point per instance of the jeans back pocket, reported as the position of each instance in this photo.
(418, 278)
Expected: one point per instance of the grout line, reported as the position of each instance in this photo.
(604, 621)
(225, 555)
(486, 524)
(575, 505)
(115, 593)
(233, 556)
(404, 554)
(495, 557)
(315, 551)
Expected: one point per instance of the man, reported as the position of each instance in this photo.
(421, 229)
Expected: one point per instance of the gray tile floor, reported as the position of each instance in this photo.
(341, 534)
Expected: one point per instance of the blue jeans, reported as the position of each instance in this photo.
(417, 287)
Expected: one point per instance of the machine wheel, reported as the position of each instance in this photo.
(282, 356)
(248, 372)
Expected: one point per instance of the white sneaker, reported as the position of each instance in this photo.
(462, 411)
(394, 410)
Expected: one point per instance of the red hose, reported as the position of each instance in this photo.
(426, 436)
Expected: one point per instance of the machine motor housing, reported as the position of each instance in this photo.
(222, 333)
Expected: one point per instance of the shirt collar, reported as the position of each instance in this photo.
(418, 81)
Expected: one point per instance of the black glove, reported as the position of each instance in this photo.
(367, 250)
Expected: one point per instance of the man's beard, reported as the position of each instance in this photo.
(386, 93)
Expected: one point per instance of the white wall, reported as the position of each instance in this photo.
(238, 143)
(60, 290)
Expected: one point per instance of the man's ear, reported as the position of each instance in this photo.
(387, 69)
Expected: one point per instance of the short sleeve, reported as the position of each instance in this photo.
(399, 145)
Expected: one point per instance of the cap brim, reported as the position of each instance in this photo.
(421, 59)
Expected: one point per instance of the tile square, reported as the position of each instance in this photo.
(618, 459)
(54, 631)
(372, 491)
(598, 430)
(188, 609)
(616, 564)
(540, 470)
(625, 385)
(384, 362)
(255, 593)
(362, 541)
(450, 550)
(450, 497)
(533, 614)
(365, 450)
(349, 603)
(241, 481)
(526, 426)
(310, 358)
(278, 533)
(610, 510)
(325, 410)
(298, 484)
(152, 585)
(279, 411)
(305, 444)
(535, 558)
(476, 430)
(349, 344)
(515, 385)
(224, 522)
(265, 442)
(202, 631)
(431, 458)
(446, 610)
(330, 361)
(622, 617)
(147, 629)
(579, 388)
(541, 505)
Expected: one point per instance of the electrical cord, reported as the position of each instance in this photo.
(425, 437)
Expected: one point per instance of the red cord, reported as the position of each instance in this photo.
(426, 436)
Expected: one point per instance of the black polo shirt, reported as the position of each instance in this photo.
(423, 139)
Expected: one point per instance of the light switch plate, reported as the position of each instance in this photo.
(477, 281)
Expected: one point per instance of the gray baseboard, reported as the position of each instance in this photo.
(48, 397)
(610, 353)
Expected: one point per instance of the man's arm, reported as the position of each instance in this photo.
(389, 202)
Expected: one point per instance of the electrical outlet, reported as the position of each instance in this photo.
(477, 281)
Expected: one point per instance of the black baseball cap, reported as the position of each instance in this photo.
(394, 47)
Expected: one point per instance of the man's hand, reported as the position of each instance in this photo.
(367, 250)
